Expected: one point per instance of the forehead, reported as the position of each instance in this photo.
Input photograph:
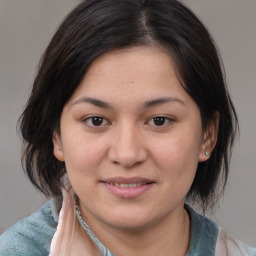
(145, 56)
(136, 68)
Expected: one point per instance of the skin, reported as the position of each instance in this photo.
(128, 88)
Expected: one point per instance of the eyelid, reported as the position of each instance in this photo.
(89, 117)
(167, 118)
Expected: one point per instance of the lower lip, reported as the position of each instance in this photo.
(128, 192)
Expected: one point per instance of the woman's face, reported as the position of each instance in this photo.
(131, 138)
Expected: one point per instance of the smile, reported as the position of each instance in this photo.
(123, 185)
(128, 187)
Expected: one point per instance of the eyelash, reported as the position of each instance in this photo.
(164, 121)
(91, 119)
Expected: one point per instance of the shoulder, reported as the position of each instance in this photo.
(31, 235)
(207, 238)
(203, 236)
(226, 245)
(250, 250)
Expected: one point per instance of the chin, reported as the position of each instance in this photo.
(133, 221)
(130, 225)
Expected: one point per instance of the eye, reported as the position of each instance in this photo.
(160, 121)
(95, 121)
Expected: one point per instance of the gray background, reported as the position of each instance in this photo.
(26, 27)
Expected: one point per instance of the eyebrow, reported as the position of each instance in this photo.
(161, 101)
(147, 104)
(95, 102)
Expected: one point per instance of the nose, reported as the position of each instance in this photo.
(127, 147)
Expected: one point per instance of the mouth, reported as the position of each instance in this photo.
(128, 187)
(131, 185)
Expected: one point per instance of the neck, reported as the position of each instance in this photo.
(169, 237)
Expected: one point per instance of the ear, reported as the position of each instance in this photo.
(57, 147)
(209, 138)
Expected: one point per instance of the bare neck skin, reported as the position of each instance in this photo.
(169, 237)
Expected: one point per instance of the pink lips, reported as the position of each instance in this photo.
(128, 187)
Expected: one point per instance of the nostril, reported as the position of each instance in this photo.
(127, 154)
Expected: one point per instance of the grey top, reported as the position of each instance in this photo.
(32, 236)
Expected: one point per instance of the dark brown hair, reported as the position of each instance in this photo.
(98, 26)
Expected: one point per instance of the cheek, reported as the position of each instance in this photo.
(177, 165)
(82, 163)
(83, 155)
(177, 155)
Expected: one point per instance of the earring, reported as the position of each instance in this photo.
(206, 153)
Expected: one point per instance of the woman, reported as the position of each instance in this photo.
(129, 117)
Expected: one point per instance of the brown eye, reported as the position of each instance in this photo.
(159, 121)
(95, 121)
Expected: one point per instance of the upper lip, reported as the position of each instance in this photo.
(124, 180)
